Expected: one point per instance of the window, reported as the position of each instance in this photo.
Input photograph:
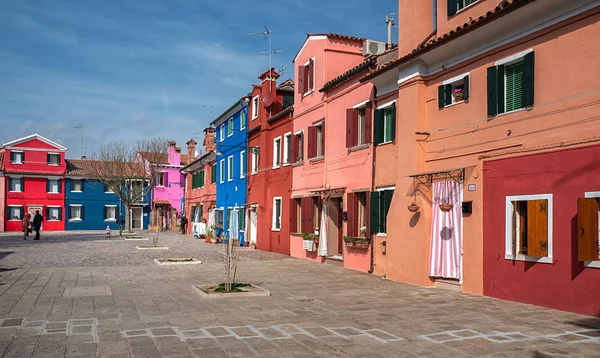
(588, 218)
(230, 127)
(356, 206)
(529, 228)
(306, 77)
(77, 186)
(510, 83)
(53, 186)
(254, 162)
(241, 219)
(222, 132)
(243, 163)
(110, 213)
(16, 185)
(277, 152)
(15, 213)
(53, 213)
(75, 212)
(276, 214)
(230, 168)
(358, 126)
(298, 147)
(107, 189)
(213, 173)
(17, 157)
(453, 91)
(222, 171)
(381, 201)
(296, 215)
(456, 5)
(242, 119)
(219, 218)
(385, 123)
(287, 148)
(137, 190)
(255, 108)
(316, 212)
(53, 158)
(198, 179)
(160, 179)
(316, 140)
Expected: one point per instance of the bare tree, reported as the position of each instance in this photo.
(230, 259)
(128, 171)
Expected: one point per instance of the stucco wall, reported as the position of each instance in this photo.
(92, 199)
(2, 202)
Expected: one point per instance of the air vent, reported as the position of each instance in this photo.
(371, 47)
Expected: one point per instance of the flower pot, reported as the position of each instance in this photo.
(383, 249)
(361, 245)
(213, 240)
(413, 208)
(349, 244)
(207, 239)
(446, 207)
(458, 97)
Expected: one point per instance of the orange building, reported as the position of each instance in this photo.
(479, 83)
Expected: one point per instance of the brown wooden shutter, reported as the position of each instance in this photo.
(312, 142)
(368, 121)
(350, 127)
(514, 229)
(587, 229)
(311, 75)
(294, 149)
(301, 79)
(293, 214)
(537, 228)
(350, 209)
(323, 137)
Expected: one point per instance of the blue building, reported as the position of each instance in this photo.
(232, 162)
(90, 205)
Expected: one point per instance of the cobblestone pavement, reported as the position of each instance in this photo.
(74, 294)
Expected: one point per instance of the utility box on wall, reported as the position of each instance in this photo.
(467, 207)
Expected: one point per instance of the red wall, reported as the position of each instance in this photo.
(35, 195)
(566, 284)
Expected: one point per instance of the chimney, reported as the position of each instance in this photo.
(174, 157)
(191, 150)
(210, 144)
(268, 90)
(172, 143)
(390, 25)
(83, 157)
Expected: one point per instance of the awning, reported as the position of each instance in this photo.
(161, 202)
(457, 174)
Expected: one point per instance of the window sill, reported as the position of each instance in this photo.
(285, 164)
(109, 192)
(307, 93)
(254, 173)
(273, 229)
(317, 159)
(276, 166)
(110, 220)
(454, 104)
(359, 147)
(381, 234)
(519, 257)
(53, 221)
(53, 165)
(297, 164)
(76, 191)
(16, 163)
(15, 220)
(52, 192)
(385, 143)
(10, 191)
(511, 112)
(74, 220)
(592, 264)
(298, 234)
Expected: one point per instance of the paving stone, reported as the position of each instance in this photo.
(164, 331)
(12, 322)
(81, 329)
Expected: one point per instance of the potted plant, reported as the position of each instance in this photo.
(383, 247)
(458, 94)
(446, 207)
(313, 237)
(211, 236)
(413, 208)
(356, 242)
(363, 231)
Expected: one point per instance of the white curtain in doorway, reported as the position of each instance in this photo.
(234, 230)
(211, 217)
(445, 254)
(323, 231)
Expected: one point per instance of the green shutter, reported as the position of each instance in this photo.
(378, 127)
(23, 157)
(59, 186)
(452, 7)
(241, 225)
(492, 91)
(448, 94)
(441, 96)
(81, 212)
(48, 158)
(374, 222)
(500, 88)
(393, 122)
(201, 210)
(213, 174)
(201, 183)
(528, 79)
(47, 213)
(387, 202)
(59, 213)
(466, 88)
(514, 86)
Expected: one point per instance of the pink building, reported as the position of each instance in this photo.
(332, 133)
(167, 194)
(2, 195)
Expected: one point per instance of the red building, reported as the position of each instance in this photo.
(200, 181)
(34, 169)
(270, 163)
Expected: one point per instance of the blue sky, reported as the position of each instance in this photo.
(130, 69)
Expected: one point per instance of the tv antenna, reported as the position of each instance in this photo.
(80, 138)
(267, 34)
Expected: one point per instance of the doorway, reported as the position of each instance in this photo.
(253, 224)
(32, 209)
(136, 218)
(334, 227)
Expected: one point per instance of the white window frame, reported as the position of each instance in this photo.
(230, 168)
(222, 132)
(52, 207)
(276, 154)
(455, 80)
(58, 186)
(242, 160)
(163, 179)
(115, 218)
(255, 106)
(255, 159)
(10, 181)
(230, 127)
(243, 114)
(69, 213)
(596, 263)
(55, 164)
(384, 188)
(508, 253)
(466, 7)
(273, 222)
(360, 127)
(73, 181)
(311, 90)
(384, 106)
(507, 61)
(9, 207)
(110, 191)
(320, 143)
(286, 148)
(222, 171)
(21, 156)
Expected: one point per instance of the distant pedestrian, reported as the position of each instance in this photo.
(25, 225)
(121, 223)
(37, 224)
(184, 222)
(108, 231)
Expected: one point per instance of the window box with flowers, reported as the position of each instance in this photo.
(313, 237)
(357, 242)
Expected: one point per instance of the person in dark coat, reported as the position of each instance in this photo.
(37, 224)
(184, 222)
(121, 223)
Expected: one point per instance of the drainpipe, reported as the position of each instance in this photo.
(434, 27)
(372, 188)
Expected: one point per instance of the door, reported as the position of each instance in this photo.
(333, 226)
(136, 218)
(32, 209)
(253, 224)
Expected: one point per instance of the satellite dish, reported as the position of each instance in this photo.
(268, 100)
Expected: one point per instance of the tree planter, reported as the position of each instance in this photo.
(178, 261)
(446, 207)
(152, 247)
(136, 238)
(248, 290)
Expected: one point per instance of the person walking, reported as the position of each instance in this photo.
(121, 223)
(25, 225)
(37, 224)
(184, 222)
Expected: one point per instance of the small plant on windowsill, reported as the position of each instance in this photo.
(298, 160)
(363, 231)
(54, 218)
(356, 242)
(458, 94)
